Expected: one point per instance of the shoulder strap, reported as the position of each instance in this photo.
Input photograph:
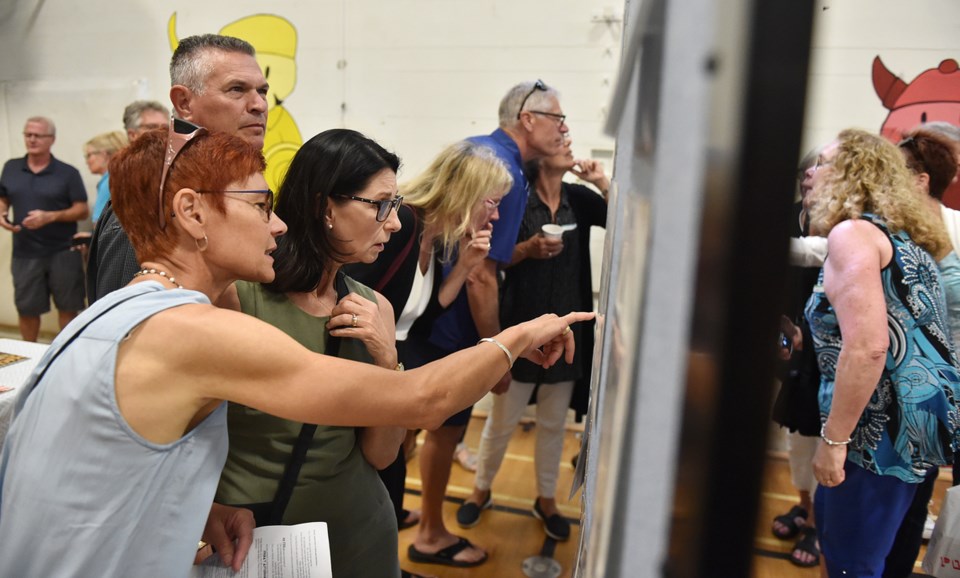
(401, 257)
(299, 454)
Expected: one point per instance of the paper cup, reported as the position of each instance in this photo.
(552, 231)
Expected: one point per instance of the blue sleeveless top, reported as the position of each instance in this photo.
(81, 493)
(911, 422)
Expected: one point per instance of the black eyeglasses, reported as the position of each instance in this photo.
(265, 208)
(383, 206)
(181, 132)
(561, 118)
(538, 85)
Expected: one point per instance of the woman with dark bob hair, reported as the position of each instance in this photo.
(121, 431)
(338, 199)
(889, 381)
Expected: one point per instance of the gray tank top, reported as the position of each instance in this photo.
(81, 494)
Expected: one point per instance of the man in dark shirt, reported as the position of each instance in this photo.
(47, 198)
(216, 83)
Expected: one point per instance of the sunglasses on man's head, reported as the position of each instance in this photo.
(179, 134)
(538, 85)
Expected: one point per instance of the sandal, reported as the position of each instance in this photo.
(790, 521)
(446, 555)
(807, 544)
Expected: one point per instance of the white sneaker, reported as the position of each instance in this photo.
(928, 526)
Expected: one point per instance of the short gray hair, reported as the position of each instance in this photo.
(190, 66)
(131, 114)
(514, 99)
(51, 128)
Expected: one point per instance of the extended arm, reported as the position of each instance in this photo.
(210, 354)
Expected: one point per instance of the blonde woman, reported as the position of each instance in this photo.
(446, 218)
(878, 318)
(98, 152)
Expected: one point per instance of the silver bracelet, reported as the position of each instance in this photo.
(829, 441)
(502, 348)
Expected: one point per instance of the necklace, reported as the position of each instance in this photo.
(163, 274)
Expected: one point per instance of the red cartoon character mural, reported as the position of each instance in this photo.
(934, 95)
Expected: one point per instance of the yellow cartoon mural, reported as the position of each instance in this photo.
(275, 40)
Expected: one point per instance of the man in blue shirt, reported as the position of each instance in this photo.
(47, 198)
(532, 126)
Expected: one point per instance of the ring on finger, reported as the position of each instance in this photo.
(355, 320)
(565, 330)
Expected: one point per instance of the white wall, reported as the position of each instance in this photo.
(413, 74)
(910, 37)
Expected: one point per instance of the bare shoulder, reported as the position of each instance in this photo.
(857, 238)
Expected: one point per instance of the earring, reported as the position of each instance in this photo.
(329, 225)
(202, 247)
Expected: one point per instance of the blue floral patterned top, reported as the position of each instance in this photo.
(911, 422)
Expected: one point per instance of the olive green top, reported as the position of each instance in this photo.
(336, 484)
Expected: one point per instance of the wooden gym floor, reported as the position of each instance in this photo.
(508, 531)
(511, 533)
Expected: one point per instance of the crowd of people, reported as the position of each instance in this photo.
(348, 309)
(334, 316)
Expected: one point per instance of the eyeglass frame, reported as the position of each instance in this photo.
(538, 85)
(269, 210)
(492, 203)
(821, 162)
(560, 117)
(176, 142)
(394, 203)
(36, 135)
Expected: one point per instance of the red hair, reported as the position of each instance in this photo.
(208, 162)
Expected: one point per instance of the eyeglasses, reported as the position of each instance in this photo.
(33, 135)
(822, 162)
(538, 85)
(561, 118)
(265, 208)
(492, 203)
(383, 206)
(180, 133)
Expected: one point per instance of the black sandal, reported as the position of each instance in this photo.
(789, 520)
(807, 544)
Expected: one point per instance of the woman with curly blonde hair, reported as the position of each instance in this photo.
(889, 381)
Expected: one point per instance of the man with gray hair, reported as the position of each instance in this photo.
(532, 126)
(142, 115)
(216, 83)
(47, 198)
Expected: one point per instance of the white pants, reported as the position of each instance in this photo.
(553, 399)
(800, 450)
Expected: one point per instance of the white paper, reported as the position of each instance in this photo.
(301, 551)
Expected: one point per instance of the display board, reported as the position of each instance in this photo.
(691, 282)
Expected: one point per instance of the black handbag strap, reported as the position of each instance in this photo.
(299, 454)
